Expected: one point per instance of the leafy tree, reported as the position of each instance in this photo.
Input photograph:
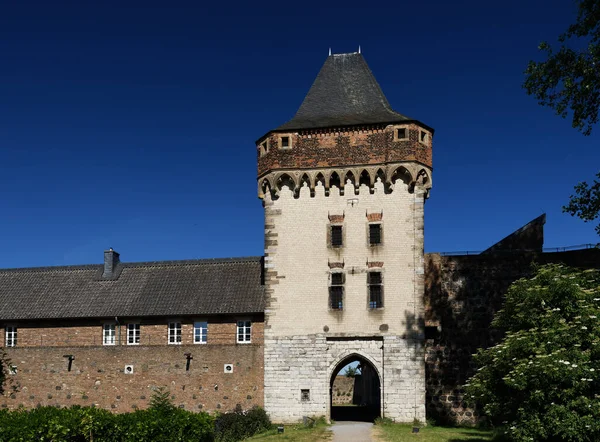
(4, 369)
(351, 371)
(542, 381)
(586, 203)
(569, 79)
(161, 401)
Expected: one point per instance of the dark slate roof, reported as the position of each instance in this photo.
(345, 93)
(167, 288)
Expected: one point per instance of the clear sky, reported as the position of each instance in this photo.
(132, 124)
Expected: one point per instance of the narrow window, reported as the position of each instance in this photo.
(265, 148)
(374, 234)
(108, 334)
(423, 136)
(401, 133)
(133, 334)
(285, 142)
(244, 332)
(374, 281)
(200, 332)
(175, 333)
(305, 395)
(336, 291)
(11, 336)
(336, 236)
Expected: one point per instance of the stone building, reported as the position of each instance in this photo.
(344, 278)
(343, 185)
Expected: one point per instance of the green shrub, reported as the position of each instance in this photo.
(238, 424)
(541, 381)
(77, 424)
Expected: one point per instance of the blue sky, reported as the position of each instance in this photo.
(132, 124)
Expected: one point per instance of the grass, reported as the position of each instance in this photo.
(403, 432)
(296, 433)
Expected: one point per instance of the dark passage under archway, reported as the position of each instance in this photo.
(355, 394)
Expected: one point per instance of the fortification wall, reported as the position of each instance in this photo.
(462, 294)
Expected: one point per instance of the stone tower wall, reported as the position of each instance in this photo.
(305, 340)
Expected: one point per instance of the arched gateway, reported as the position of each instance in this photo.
(356, 397)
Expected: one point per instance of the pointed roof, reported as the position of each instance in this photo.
(344, 93)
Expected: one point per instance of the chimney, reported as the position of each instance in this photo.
(111, 259)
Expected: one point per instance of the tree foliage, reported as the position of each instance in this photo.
(585, 204)
(542, 381)
(569, 78)
(4, 369)
(352, 371)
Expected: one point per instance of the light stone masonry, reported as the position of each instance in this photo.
(307, 342)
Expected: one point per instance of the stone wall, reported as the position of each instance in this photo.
(342, 391)
(462, 294)
(98, 376)
(306, 339)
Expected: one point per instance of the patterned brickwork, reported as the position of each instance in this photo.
(345, 147)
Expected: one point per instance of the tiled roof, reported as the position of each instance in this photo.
(166, 288)
(344, 93)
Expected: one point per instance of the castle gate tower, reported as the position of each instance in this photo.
(343, 185)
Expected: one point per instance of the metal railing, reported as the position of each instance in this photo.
(544, 250)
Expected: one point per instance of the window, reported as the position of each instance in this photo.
(374, 234)
(133, 334)
(336, 291)
(400, 133)
(305, 395)
(337, 239)
(244, 332)
(375, 283)
(264, 148)
(108, 334)
(11, 336)
(423, 136)
(175, 333)
(200, 332)
(285, 142)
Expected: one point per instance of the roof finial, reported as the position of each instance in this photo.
(359, 49)
(330, 52)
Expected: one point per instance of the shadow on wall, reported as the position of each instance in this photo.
(462, 294)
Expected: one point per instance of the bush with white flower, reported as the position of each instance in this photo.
(542, 381)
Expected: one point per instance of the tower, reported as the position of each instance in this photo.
(343, 185)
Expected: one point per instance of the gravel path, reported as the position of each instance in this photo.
(347, 431)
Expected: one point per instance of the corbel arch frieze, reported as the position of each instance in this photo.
(285, 178)
(265, 184)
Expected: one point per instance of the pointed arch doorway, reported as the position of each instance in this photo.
(355, 390)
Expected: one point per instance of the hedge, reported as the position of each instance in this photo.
(160, 424)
